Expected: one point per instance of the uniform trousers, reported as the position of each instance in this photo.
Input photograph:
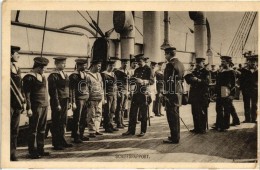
(94, 115)
(79, 119)
(59, 121)
(138, 104)
(109, 111)
(15, 120)
(250, 105)
(172, 113)
(37, 126)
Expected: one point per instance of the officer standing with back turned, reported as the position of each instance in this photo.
(173, 75)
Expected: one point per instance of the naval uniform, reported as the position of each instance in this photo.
(199, 98)
(35, 89)
(94, 106)
(225, 89)
(16, 109)
(58, 86)
(173, 75)
(141, 100)
(159, 90)
(79, 96)
(122, 86)
(110, 88)
(249, 87)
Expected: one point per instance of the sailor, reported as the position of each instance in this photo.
(249, 87)
(79, 97)
(110, 89)
(192, 66)
(225, 89)
(58, 86)
(17, 100)
(159, 90)
(173, 75)
(199, 95)
(96, 98)
(35, 89)
(122, 75)
(143, 78)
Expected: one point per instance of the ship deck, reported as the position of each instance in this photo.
(238, 144)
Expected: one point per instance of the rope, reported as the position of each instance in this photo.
(44, 32)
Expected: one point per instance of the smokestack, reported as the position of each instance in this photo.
(124, 24)
(166, 21)
(200, 39)
(151, 35)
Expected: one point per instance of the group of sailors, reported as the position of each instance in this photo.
(93, 95)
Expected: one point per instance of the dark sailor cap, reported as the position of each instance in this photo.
(124, 60)
(200, 59)
(227, 58)
(111, 62)
(96, 61)
(41, 61)
(153, 63)
(169, 49)
(253, 57)
(161, 63)
(81, 61)
(140, 57)
(14, 49)
(60, 58)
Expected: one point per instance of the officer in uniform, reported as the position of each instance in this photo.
(79, 97)
(122, 75)
(173, 75)
(249, 87)
(159, 90)
(58, 83)
(199, 95)
(225, 89)
(35, 89)
(143, 78)
(17, 100)
(110, 88)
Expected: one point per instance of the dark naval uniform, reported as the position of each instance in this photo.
(173, 75)
(122, 87)
(58, 83)
(79, 96)
(159, 90)
(16, 106)
(35, 89)
(141, 100)
(249, 87)
(110, 88)
(199, 98)
(225, 89)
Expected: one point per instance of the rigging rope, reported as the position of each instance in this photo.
(44, 32)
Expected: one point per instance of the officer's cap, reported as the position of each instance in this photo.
(60, 58)
(41, 61)
(153, 63)
(132, 60)
(14, 49)
(200, 59)
(81, 61)
(169, 49)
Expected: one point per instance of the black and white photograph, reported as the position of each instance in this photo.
(133, 87)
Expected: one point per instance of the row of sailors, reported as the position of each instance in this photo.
(84, 92)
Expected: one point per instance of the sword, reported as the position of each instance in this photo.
(167, 100)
